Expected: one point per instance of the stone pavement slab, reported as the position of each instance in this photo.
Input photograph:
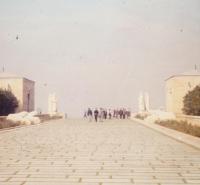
(116, 152)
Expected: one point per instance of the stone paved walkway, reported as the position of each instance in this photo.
(76, 152)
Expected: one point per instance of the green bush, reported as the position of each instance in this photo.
(8, 102)
(192, 102)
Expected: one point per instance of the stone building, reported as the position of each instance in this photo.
(22, 88)
(177, 87)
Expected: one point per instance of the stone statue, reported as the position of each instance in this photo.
(143, 102)
(146, 97)
(52, 104)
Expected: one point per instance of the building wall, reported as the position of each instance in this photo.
(16, 87)
(176, 88)
(28, 95)
(21, 87)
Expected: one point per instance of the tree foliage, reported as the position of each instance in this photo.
(192, 102)
(8, 102)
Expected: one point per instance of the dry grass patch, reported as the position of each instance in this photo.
(181, 126)
(8, 124)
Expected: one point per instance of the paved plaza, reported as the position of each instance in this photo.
(74, 152)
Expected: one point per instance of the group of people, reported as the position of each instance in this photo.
(103, 114)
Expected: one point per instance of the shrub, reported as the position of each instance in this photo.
(192, 102)
(8, 102)
(141, 116)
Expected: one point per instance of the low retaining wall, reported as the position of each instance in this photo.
(47, 117)
(5, 124)
(194, 120)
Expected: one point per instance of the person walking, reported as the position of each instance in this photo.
(110, 114)
(96, 115)
(89, 114)
(106, 114)
(101, 114)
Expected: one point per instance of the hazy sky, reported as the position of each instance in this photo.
(99, 52)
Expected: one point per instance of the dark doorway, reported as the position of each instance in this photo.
(28, 102)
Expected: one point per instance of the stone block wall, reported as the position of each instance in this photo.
(176, 88)
(24, 91)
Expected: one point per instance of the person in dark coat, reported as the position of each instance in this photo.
(96, 115)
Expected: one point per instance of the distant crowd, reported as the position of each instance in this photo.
(103, 114)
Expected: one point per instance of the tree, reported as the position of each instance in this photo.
(192, 102)
(8, 102)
